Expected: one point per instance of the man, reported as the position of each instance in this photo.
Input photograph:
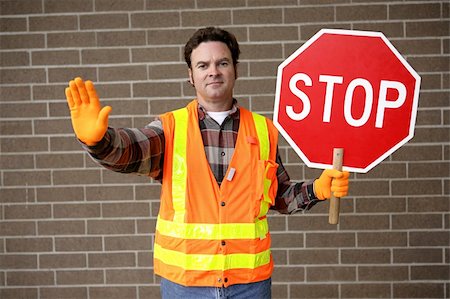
(220, 172)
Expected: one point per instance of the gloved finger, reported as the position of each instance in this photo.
(69, 98)
(339, 188)
(82, 90)
(74, 91)
(345, 175)
(92, 93)
(340, 194)
(333, 173)
(339, 183)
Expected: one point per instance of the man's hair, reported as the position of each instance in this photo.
(212, 34)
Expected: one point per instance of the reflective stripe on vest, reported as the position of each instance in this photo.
(208, 262)
(264, 148)
(179, 170)
(207, 231)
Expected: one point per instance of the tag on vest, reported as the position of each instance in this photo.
(231, 174)
(252, 140)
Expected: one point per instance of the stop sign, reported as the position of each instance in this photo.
(346, 89)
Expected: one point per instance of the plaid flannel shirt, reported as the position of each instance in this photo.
(141, 151)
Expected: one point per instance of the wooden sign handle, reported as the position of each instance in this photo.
(333, 215)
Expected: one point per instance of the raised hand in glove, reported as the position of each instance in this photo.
(331, 180)
(89, 119)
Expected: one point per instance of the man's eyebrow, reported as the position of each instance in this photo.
(201, 62)
(218, 60)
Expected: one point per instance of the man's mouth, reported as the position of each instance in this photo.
(215, 83)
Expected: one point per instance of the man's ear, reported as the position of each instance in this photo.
(191, 79)
(235, 71)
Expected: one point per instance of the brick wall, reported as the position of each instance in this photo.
(70, 229)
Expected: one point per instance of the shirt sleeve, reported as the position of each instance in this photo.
(292, 197)
(138, 151)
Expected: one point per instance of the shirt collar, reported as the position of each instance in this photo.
(234, 112)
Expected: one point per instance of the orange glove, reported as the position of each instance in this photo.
(89, 119)
(331, 180)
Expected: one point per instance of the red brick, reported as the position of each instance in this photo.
(55, 6)
(96, 227)
(330, 240)
(76, 177)
(429, 238)
(62, 194)
(415, 11)
(314, 256)
(72, 39)
(382, 239)
(155, 19)
(427, 28)
(104, 21)
(128, 243)
(61, 261)
(314, 291)
(159, 90)
(14, 293)
(77, 277)
(365, 256)
(105, 56)
(22, 41)
(361, 12)
(111, 260)
(17, 162)
(14, 59)
(125, 276)
(17, 195)
(82, 244)
(27, 211)
(52, 23)
(309, 14)
(28, 278)
(120, 5)
(29, 244)
(61, 227)
(20, 7)
(330, 273)
(168, 36)
(63, 292)
(121, 38)
(288, 274)
(112, 292)
(205, 18)
(413, 187)
(418, 290)
(22, 261)
(76, 210)
(131, 209)
(412, 221)
(117, 73)
(383, 273)
(361, 290)
(257, 16)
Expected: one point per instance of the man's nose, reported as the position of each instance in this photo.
(214, 70)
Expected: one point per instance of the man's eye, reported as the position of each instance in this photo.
(224, 63)
(201, 66)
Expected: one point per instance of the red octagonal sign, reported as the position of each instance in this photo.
(346, 89)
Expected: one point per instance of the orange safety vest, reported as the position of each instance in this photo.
(208, 235)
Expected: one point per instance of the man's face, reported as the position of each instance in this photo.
(213, 75)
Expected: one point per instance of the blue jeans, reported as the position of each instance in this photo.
(256, 290)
